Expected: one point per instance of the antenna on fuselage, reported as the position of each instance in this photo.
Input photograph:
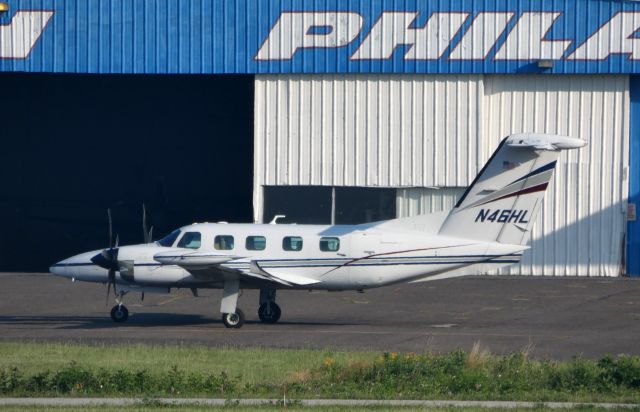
(275, 219)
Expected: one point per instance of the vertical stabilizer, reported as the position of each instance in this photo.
(502, 202)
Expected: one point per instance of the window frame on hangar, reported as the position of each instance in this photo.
(404, 96)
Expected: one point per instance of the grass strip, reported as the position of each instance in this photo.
(169, 371)
(293, 408)
(251, 365)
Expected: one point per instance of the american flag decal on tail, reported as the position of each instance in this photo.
(507, 165)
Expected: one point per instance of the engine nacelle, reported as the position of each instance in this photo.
(160, 274)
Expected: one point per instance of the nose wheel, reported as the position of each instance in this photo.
(119, 313)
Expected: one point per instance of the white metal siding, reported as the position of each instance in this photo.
(582, 222)
(414, 201)
(417, 131)
(365, 130)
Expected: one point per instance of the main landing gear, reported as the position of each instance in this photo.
(233, 317)
(120, 313)
(269, 311)
(233, 320)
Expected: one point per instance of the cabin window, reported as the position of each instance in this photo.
(292, 243)
(223, 242)
(329, 244)
(256, 243)
(190, 240)
(170, 239)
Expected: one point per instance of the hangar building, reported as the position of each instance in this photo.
(352, 111)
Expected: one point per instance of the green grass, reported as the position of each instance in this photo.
(29, 369)
(253, 365)
(292, 408)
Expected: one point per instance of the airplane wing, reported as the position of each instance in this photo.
(214, 266)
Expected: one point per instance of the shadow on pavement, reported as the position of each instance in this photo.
(138, 320)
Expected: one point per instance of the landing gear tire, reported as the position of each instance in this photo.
(119, 313)
(269, 312)
(233, 320)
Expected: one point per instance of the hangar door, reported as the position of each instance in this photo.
(74, 146)
(581, 227)
(427, 137)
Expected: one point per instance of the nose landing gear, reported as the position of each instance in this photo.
(120, 313)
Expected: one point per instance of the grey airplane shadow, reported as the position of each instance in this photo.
(137, 320)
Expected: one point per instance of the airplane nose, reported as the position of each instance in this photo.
(60, 269)
(80, 267)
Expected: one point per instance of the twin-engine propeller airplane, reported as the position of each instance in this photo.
(487, 229)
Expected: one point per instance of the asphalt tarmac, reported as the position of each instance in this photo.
(551, 317)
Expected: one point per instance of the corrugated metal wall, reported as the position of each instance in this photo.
(366, 130)
(421, 200)
(582, 223)
(355, 36)
(437, 131)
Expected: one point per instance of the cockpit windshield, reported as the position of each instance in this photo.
(190, 240)
(170, 239)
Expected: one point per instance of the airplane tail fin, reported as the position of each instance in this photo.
(502, 202)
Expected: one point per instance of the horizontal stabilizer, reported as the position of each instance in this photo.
(538, 141)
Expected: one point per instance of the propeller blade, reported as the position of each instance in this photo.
(108, 259)
(110, 228)
(145, 233)
(106, 303)
(111, 281)
(115, 291)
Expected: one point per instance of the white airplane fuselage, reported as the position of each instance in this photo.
(366, 257)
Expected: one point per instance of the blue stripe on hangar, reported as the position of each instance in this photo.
(633, 226)
(225, 36)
